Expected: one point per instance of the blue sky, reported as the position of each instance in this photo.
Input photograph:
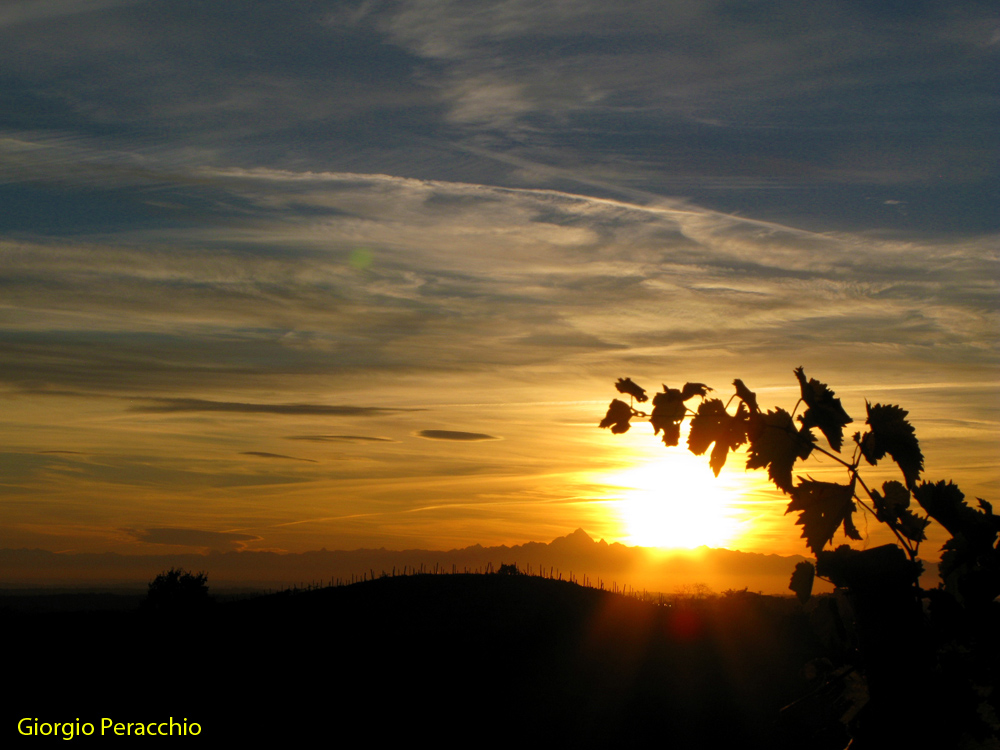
(361, 274)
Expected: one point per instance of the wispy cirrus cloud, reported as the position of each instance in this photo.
(545, 261)
(24, 11)
(281, 456)
(695, 73)
(753, 112)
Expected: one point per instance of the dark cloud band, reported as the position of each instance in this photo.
(168, 405)
(265, 454)
(455, 435)
(191, 537)
(340, 438)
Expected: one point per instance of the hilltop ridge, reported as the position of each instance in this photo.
(448, 656)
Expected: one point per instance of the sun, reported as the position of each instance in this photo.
(676, 502)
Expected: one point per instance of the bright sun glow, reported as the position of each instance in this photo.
(676, 502)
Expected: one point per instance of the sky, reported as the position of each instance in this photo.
(291, 276)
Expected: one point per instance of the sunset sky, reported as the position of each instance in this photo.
(294, 275)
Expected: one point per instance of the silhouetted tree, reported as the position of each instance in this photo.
(177, 590)
(928, 659)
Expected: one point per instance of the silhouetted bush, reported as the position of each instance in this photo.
(177, 590)
(508, 570)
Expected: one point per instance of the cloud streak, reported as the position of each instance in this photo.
(340, 439)
(214, 540)
(265, 454)
(455, 436)
(170, 405)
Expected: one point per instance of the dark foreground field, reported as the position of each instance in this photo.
(447, 658)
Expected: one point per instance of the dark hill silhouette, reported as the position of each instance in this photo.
(445, 657)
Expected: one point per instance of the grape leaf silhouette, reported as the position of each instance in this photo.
(618, 416)
(881, 583)
(891, 433)
(912, 526)
(970, 559)
(625, 385)
(694, 389)
(825, 411)
(776, 444)
(747, 396)
(945, 503)
(713, 424)
(895, 497)
(892, 507)
(850, 530)
(668, 413)
(823, 507)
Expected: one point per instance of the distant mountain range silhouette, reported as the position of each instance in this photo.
(575, 555)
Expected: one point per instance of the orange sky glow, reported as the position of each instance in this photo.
(297, 482)
(364, 275)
